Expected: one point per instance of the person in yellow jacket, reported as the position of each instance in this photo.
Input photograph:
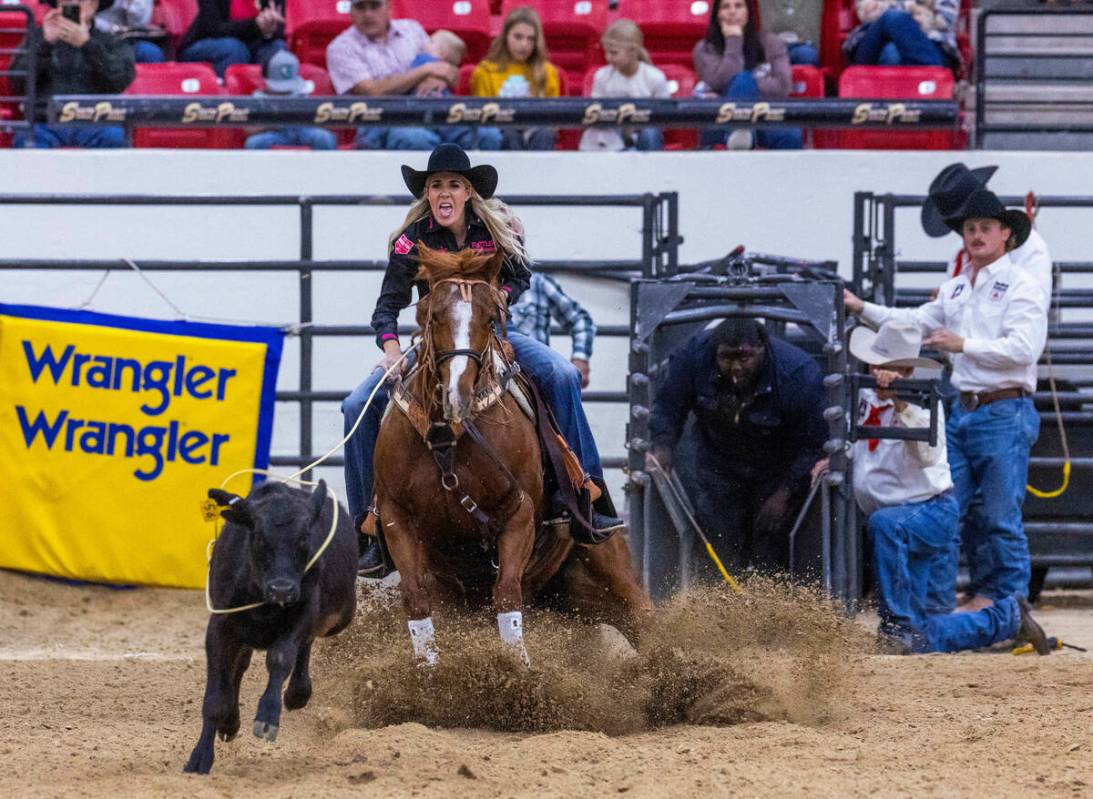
(517, 65)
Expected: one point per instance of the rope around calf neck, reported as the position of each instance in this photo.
(295, 479)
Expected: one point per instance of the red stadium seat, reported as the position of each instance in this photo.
(469, 19)
(896, 83)
(242, 79)
(197, 80)
(671, 27)
(573, 29)
(310, 25)
(839, 18)
(807, 81)
(464, 85)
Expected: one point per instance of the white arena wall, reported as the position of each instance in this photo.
(795, 204)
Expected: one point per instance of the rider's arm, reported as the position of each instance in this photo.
(395, 294)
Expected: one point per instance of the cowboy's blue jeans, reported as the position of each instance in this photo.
(557, 379)
(910, 542)
(988, 456)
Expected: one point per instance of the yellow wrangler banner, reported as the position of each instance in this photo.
(112, 429)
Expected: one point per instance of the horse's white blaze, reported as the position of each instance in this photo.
(458, 365)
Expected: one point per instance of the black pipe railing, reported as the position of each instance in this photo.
(659, 246)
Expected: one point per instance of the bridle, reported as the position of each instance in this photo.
(466, 289)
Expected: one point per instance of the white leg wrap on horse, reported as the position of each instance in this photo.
(511, 627)
(423, 637)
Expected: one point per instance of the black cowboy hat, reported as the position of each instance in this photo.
(983, 204)
(103, 4)
(947, 191)
(451, 158)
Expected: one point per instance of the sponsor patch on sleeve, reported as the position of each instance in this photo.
(403, 245)
(998, 290)
(484, 246)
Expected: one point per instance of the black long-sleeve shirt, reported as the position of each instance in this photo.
(402, 267)
(214, 21)
(104, 65)
(779, 435)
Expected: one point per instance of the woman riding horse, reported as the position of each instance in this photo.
(454, 210)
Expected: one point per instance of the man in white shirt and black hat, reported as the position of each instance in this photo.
(948, 192)
(992, 320)
(905, 488)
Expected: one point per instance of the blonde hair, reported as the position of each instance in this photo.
(455, 46)
(540, 56)
(627, 33)
(498, 218)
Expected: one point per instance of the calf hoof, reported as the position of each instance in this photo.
(297, 696)
(200, 762)
(226, 736)
(264, 730)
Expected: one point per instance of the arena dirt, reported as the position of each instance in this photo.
(769, 695)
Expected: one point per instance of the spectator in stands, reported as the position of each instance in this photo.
(906, 490)
(905, 32)
(517, 65)
(227, 32)
(443, 45)
(127, 19)
(282, 79)
(76, 58)
(738, 62)
(991, 320)
(374, 57)
(948, 191)
(629, 73)
(798, 24)
(544, 299)
(758, 405)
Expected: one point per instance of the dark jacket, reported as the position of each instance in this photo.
(778, 436)
(104, 65)
(213, 21)
(402, 266)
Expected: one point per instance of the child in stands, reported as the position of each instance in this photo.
(517, 65)
(443, 45)
(629, 73)
(282, 79)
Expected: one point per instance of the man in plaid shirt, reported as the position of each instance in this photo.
(531, 315)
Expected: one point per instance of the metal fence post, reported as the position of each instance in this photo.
(307, 252)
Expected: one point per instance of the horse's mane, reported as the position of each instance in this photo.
(434, 265)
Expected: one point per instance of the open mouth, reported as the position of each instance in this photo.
(445, 210)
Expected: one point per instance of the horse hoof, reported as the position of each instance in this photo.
(227, 736)
(264, 730)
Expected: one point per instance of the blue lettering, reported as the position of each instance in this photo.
(156, 376)
(199, 376)
(46, 360)
(39, 425)
(98, 374)
(93, 439)
(188, 443)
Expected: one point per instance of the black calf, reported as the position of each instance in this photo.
(261, 556)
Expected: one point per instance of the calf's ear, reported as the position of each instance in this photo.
(235, 507)
(318, 497)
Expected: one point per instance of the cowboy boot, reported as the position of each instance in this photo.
(1030, 631)
(603, 526)
(373, 561)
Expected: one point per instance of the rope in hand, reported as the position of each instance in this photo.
(1032, 208)
(735, 586)
(295, 479)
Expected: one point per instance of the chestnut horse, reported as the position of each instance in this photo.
(459, 477)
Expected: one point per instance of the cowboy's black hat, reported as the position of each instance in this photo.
(983, 204)
(947, 191)
(452, 158)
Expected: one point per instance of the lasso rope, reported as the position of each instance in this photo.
(295, 479)
(1032, 208)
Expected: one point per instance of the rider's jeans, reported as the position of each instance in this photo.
(557, 379)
